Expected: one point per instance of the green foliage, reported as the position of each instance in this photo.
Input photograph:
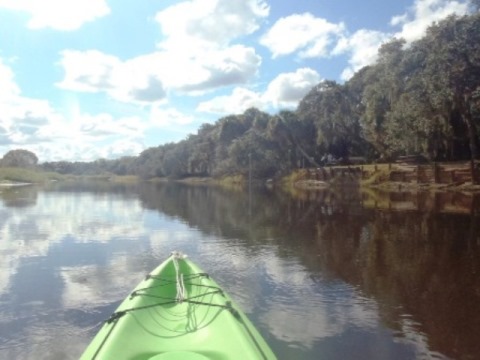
(421, 99)
(19, 158)
(122, 166)
(332, 109)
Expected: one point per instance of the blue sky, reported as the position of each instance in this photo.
(88, 79)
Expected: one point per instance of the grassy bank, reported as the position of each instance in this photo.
(124, 179)
(21, 175)
(235, 182)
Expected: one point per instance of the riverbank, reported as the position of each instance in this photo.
(457, 176)
(371, 176)
(385, 177)
(13, 176)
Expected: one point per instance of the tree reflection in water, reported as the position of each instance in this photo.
(416, 254)
(343, 274)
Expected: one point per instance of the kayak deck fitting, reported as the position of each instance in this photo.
(178, 313)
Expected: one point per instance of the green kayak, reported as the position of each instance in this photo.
(178, 313)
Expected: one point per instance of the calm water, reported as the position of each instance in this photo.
(322, 275)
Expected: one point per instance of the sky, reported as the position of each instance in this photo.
(87, 79)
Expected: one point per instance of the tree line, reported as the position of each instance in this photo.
(417, 99)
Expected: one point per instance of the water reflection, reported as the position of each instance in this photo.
(322, 275)
(65, 260)
(24, 196)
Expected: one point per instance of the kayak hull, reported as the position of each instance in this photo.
(178, 312)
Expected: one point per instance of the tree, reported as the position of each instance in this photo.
(19, 158)
(254, 152)
(333, 109)
(295, 137)
(383, 88)
(453, 70)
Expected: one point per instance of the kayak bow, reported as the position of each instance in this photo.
(178, 313)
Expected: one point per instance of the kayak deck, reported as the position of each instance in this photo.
(178, 312)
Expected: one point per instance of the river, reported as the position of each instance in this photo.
(323, 275)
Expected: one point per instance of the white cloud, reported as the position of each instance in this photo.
(422, 14)
(308, 36)
(9, 87)
(64, 142)
(58, 14)
(105, 125)
(311, 36)
(94, 71)
(33, 124)
(236, 103)
(362, 47)
(194, 56)
(147, 79)
(89, 137)
(233, 65)
(122, 147)
(197, 54)
(89, 71)
(287, 89)
(20, 119)
(163, 117)
(76, 150)
(203, 23)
